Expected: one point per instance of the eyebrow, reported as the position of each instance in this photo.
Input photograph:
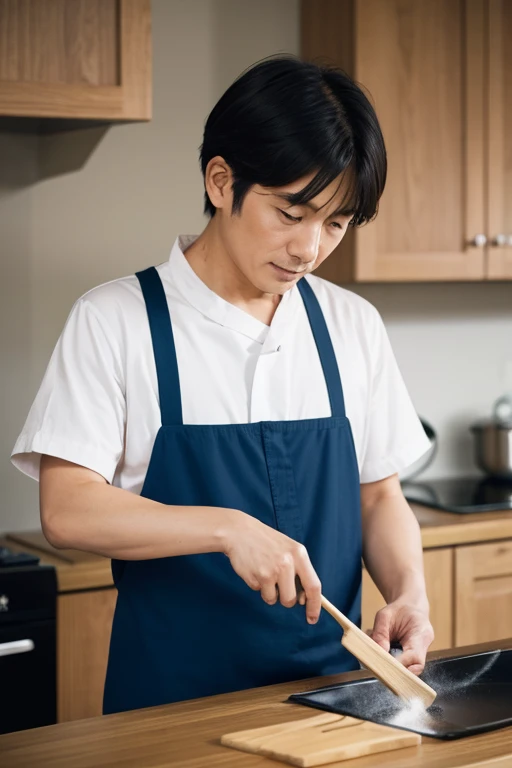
(340, 212)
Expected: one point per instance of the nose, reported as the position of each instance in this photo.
(305, 244)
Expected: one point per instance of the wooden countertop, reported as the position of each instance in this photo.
(186, 735)
(75, 570)
(82, 570)
(446, 529)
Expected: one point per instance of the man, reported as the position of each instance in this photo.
(228, 429)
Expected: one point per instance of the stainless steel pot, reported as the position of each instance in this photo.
(493, 441)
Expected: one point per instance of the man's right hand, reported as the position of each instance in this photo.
(269, 562)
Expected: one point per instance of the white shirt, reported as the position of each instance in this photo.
(98, 404)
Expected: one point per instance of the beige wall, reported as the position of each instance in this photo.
(452, 343)
(80, 208)
(18, 175)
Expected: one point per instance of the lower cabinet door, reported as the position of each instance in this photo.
(483, 604)
(84, 623)
(438, 565)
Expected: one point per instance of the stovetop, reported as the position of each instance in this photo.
(10, 559)
(462, 495)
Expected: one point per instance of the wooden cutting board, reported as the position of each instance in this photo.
(320, 740)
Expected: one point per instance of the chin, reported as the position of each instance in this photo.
(275, 287)
(270, 284)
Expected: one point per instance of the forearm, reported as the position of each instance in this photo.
(90, 515)
(392, 549)
(80, 510)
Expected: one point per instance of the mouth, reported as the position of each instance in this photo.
(288, 274)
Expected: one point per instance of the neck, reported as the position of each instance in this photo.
(212, 263)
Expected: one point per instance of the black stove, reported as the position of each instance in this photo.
(462, 495)
(28, 663)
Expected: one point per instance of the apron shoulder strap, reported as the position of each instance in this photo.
(163, 346)
(325, 348)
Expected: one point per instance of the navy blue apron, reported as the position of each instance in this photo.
(189, 626)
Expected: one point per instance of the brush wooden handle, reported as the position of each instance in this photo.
(340, 617)
(386, 668)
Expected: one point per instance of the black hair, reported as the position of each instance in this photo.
(283, 119)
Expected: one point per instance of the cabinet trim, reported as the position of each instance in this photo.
(475, 129)
(499, 258)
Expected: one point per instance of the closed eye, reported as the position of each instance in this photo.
(289, 216)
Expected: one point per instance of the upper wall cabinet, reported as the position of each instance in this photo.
(75, 59)
(499, 146)
(440, 77)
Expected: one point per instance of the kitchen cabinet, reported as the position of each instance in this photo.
(499, 148)
(483, 597)
(438, 565)
(75, 59)
(469, 589)
(440, 77)
(84, 622)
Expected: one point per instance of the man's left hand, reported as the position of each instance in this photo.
(403, 622)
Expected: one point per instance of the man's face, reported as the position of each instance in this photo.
(273, 244)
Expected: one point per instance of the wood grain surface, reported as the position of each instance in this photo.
(445, 529)
(320, 740)
(499, 146)
(81, 59)
(75, 570)
(410, 57)
(483, 599)
(59, 41)
(187, 735)
(84, 623)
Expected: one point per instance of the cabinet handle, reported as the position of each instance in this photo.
(19, 646)
(502, 240)
(479, 240)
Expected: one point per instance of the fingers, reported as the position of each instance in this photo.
(279, 583)
(286, 585)
(311, 586)
(293, 579)
(271, 562)
(410, 627)
(414, 660)
(382, 629)
(268, 589)
(301, 595)
(416, 669)
(415, 649)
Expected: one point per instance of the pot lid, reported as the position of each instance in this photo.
(501, 415)
(491, 424)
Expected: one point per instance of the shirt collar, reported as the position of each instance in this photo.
(220, 311)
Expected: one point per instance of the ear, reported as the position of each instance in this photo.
(218, 180)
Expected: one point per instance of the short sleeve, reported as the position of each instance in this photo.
(395, 437)
(79, 411)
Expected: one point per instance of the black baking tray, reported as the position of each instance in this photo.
(474, 695)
